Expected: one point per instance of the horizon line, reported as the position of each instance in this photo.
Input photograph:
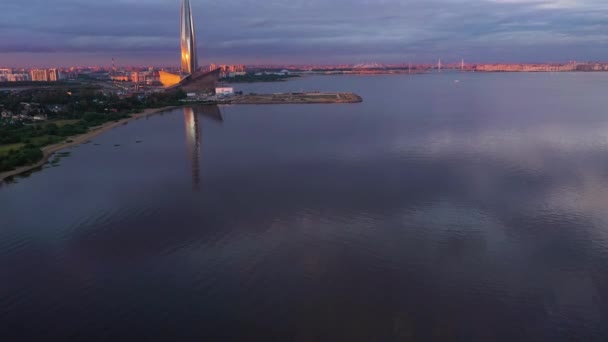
(290, 64)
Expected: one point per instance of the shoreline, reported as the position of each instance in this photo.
(296, 98)
(282, 99)
(260, 99)
(48, 151)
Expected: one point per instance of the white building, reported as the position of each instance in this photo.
(224, 91)
(4, 74)
(235, 74)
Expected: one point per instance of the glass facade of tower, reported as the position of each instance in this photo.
(188, 40)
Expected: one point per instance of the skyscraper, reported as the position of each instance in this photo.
(190, 79)
(188, 40)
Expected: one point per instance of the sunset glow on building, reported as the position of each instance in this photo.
(188, 40)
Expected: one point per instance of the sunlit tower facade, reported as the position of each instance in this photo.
(188, 40)
(190, 79)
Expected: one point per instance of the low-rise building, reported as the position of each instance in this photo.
(120, 78)
(4, 74)
(55, 108)
(29, 109)
(235, 74)
(223, 91)
(18, 77)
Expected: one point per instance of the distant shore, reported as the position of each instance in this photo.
(48, 151)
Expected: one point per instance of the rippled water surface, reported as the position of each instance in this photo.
(435, 210)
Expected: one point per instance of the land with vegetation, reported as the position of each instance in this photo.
(64, 115)
(297, 98)
(255, 78)
(33, 84)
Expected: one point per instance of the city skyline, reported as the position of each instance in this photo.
(480, 31)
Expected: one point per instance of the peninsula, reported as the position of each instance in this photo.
(297, 98)
(277, 98)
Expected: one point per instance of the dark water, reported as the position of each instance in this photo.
(434, 210)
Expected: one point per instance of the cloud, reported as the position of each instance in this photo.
(312, 31)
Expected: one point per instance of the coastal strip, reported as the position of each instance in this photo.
(48, 151)
(278, 98)
(297, 98)
(250, 99)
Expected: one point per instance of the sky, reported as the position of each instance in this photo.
(146, 32)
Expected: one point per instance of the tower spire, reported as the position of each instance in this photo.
(188, 40)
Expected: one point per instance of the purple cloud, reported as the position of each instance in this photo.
(298, 31)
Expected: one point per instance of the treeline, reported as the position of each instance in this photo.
(31, 84)
(27, 133)
(74, 102)
(24, 156)
(34, 137)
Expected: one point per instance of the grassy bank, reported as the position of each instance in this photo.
(24, 143)
(71, 113)
(34, 158)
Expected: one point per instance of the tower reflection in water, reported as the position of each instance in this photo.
(192, 120)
